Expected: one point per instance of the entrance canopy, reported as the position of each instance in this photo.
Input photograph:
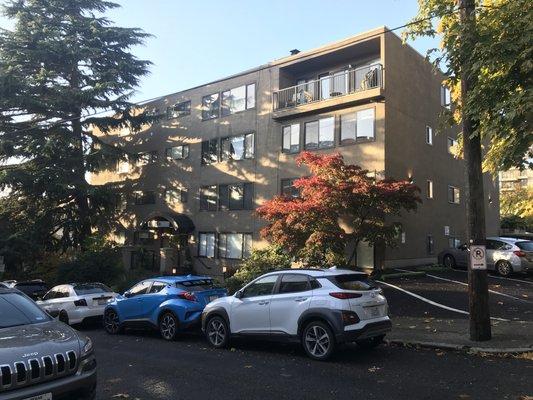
(176, 223)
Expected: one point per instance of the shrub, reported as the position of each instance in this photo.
(260, 262)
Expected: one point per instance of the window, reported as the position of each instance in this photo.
(452, 146)
(235, 197)
(144, 197)
(261, 287)
(17, 309)
(208, 198)
(429, 135)
(291, 138)
(429, 189)
(173, 196)
(353, 282)
(178, 152)
(91, 288)
(210, 151)
(250, 96)
(179, 110)
(430, 245)
(123, 167)
(454, 195)
(206, 244)
(320, 134)
(445, 97)
(293, 283)
(238, 99)
(237, 147)
(140, 288)
(357, 126)
(210, 106)
(143, 237)
(234, 245)
(454, 243)
(157, 287)
(288, 189)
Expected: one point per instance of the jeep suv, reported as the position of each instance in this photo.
(319, 308)
(41, 358)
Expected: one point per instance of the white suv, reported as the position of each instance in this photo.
(319, 308)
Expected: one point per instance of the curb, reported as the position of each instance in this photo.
(450, 346)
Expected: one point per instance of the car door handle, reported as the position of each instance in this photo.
(300, 299)
(263, 303)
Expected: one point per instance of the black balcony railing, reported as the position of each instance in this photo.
(335, 85)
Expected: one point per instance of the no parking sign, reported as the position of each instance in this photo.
(478, 259)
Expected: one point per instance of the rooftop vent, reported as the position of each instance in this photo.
(294, 52)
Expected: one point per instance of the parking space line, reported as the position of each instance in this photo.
(433, 303)
(466, 284)
(497, 277)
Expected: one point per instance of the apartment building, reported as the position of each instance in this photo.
(229, 145)
(514, 179)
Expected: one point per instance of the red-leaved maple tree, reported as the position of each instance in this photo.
(337, 204)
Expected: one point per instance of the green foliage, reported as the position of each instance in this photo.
(260, 262)
(499, 53)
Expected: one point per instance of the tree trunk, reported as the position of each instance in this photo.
(480, 328)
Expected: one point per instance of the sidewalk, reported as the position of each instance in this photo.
(507, 337)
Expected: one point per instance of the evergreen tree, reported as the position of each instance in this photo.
(61, 65)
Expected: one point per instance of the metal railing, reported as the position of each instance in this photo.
(338, 84)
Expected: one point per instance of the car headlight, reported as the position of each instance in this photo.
(87, 346)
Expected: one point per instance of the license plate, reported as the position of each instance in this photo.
(373, 311)
(211, 298)
(46, 396)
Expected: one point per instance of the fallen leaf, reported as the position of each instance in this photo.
(373, 369)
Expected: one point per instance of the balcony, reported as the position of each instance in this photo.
(341, 88)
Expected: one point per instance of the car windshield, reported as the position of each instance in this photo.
(91, 288)
(353, 282)
(196, 285)
(525, 245)
(17, 309)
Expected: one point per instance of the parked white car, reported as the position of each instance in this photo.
(319, 308)
(75, 302)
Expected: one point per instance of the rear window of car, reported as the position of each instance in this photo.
(29, 287)
(17, 309)
(91, 288)
(353, 282)
(196, 285)
(526, 245)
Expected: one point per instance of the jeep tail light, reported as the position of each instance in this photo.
(80, 303)
(519, 253)
(345, 295)
(187, 296)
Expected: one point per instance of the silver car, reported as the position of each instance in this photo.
(504, 255)
(76, 302)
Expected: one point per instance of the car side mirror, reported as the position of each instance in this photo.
(238, 294)
(128, 294)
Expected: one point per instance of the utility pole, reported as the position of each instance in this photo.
(478, 294)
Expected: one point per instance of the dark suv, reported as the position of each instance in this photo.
(40, 357)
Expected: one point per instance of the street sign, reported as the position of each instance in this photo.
(478, 259)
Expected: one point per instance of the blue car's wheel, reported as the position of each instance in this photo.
(111, 322)
(217, 332)
(168, 326)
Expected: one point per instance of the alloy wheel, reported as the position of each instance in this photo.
(168, 327)
(111, 323)
(317, 341)
(216, 332)
(504, 268)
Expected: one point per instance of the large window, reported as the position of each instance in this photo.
(210, 151)
(320, 134)
(445, 97)
(238, 99)
(146, 157)
(234, 245)
(206, 244)
(238, 147)
(357, 126)
(174, 196)
(429, 135)
(288, 189)
(178, 152)
(454, 195)
(235, 197)
(179, 110)
(452, 146)
(291, 138)
(144, 197)
(429, 189)
(208, 198)
(211, 106)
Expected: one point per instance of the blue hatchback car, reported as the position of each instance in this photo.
(168, 303)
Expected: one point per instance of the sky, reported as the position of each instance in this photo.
(195, 42)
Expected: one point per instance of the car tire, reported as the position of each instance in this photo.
(63, 317)
(217, 332)
(112, 322)
(449, 261)
(318, 340)
(168, 326)
(370, 343)
(504, 268)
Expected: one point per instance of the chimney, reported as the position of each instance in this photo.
(294, 52)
